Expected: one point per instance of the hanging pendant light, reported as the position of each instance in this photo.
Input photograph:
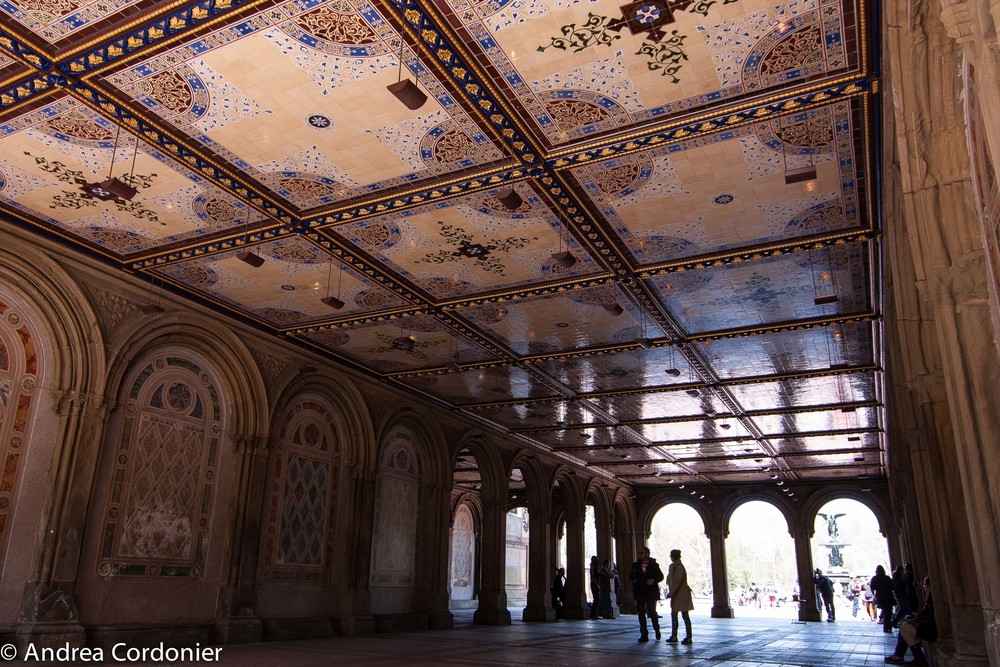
(406, 91)
(509, 198)
(249, 256)
(563, 258)
(329, 300)
(111, 187)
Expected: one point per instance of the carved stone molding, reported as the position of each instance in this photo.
(964, 282)
(958, 19)
(270, 367)
(112, 309)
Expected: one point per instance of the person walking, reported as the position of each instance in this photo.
(558, 590)
(606, 583)
(825, 588)
(595, 587)
(679, 594)
(646, 576)
(881, 585)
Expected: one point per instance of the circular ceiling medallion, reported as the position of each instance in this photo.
(724, 199)
(288, 288)
(562, 325)
(319, 121)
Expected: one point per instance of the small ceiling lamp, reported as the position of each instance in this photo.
(150, 308)
(405, 343)
(564, 258)
(406, 91)
(111, 187)
(672, 371)
(249, 256)
(797, 174)
(614, 308)
(333, 301)
(645, 343)
(452, 364)
(509, 198)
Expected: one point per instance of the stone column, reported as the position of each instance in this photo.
(49, 616)
(236, 622)
(721, 607)
(492, 609)
(435, 556)
(541, 557)
(808, 610)
(577, 605)
(627, 552)
(354, 614)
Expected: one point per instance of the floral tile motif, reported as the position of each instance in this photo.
(55, 20)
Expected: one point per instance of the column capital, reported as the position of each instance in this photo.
(958, 19)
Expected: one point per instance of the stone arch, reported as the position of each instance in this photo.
(881, 511)
(775, 499)
(354, 423)
(661, 500)
(434, 458)
(572, 489)
(65, 398)
(594, 489)
(489, 462)
(221, 348)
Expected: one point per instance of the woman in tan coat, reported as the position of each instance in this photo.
(679, 594)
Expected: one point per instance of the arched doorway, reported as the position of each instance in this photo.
(518, 542)
(680, 526)
(760, 560)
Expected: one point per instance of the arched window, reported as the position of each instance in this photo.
(394, 547)
(163, 476)
(305, 469)
(18, 379)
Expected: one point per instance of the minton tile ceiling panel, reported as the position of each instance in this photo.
(659, 405)
(819, 283)
(800, 392)
(295, 97)
(382, 346)
(469, 245)
(789, 351)
(622, 370)
(49, 157)
(583, 68)
(721, 427)
(481, 386)
(56, 20)
(815, 421)
(729, 189)
(565, 320)
(286, 290)
(540, 414)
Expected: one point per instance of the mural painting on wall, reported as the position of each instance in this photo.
(394, 546)
(18, 378)
(299, 529)
(162, 490)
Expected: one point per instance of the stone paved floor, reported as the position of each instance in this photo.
(605, 643)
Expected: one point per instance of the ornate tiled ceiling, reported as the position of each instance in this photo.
(709, 165)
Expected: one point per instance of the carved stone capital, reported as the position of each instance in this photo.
(964, 282)
(957, 17)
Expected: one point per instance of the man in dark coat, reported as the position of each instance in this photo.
(825, 588)
(646, 577)
(881, 585)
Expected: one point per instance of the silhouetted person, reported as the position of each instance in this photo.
(606, 583)
(646, 577)
(679, 594)
(915, 628)
(595, 586)
(558, 590)
(825, 589)
(884, 599)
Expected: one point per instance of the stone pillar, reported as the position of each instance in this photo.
(492, 609)
(604, 531)
(236, 621)
(577, 604)
(49, 616)
(354, 614)
(541, 556)
(435, 556)
(808, 609)
(627, 553)
(721, 607)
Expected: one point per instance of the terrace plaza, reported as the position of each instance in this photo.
(330, 328)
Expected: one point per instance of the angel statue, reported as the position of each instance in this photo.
(831, 523)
